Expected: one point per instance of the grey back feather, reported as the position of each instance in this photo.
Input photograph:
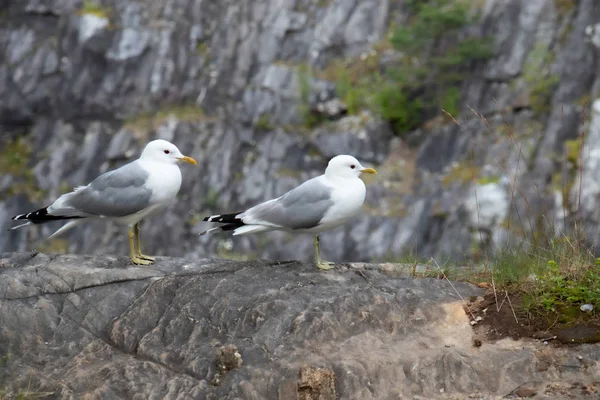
(113, 194)
(300, 208)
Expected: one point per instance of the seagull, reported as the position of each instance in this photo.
(319, 204)
(124, 195)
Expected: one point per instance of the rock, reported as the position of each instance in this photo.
(89, 25)
(316, 384)
(228, 358)
(78, 326)
(362, 136)
(525, 392)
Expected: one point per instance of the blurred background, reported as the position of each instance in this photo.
(480, 117)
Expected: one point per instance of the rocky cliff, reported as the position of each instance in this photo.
(85, 84)
(74, 327)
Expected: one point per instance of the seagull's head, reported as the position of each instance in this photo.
(346, 167)
(163, 151)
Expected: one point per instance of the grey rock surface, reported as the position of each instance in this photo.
(97, 327)
(85, 85)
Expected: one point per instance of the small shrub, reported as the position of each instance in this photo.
(434, 58)
(93, 8)
(305, 83)
(14, 160)
(149, 120)
(540, 82)
(440, 55)
(264, 123)
(395, 106)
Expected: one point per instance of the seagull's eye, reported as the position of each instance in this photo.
(167, 151)
(353, 166)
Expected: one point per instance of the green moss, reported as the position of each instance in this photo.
(289, 173)
(150, 120)
(323, 3)
(14, 160)
(23, 394)
(486, 180)
(563, 285)
(305, 84)
(56, 246)
(211, 199)
(404, 113)
(585, 100)
(462, 173)
(17, 393)
(263, 123)
(92, 8)
(540, 95)
(450, 101)
(64, 187)
(549, 280)
(565, 6)
(541, 84)
(573, 150)
(224, 250)
(202, 48)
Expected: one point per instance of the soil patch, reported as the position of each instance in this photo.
(497, 316)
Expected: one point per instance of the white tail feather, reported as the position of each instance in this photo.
(20, 226)
(251, 229)
(210, 231)
(66, 227)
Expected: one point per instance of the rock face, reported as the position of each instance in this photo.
(85, 85)
(95, 327)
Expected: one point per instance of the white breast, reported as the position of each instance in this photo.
(164, 180)
(348, 196)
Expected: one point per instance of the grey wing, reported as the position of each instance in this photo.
(300, 208)
(114, 194)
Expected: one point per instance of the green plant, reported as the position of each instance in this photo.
(93, 8)
(565, 6)
(438, 55)
(263, 123)
(23, 394)
(395, 106)
(14, 160)
(462, 173)
(486, 180)
(450, 101)
(305, 83)
(149, 120)
(211, 200)
(554, 279)
(202, 48)
(540, 82)
(434, 58)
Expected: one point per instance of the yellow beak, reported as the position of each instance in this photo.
(187, 159)
(368, 171)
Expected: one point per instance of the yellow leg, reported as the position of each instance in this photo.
(136, 229)
(321, 264)
(133, 251)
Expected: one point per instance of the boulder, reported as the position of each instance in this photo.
(97, 327)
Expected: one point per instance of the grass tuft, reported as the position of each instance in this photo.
(93, 8)
(147, 121)
(14, 160)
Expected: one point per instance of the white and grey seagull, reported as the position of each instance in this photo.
(319, 204)
(124, 195)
